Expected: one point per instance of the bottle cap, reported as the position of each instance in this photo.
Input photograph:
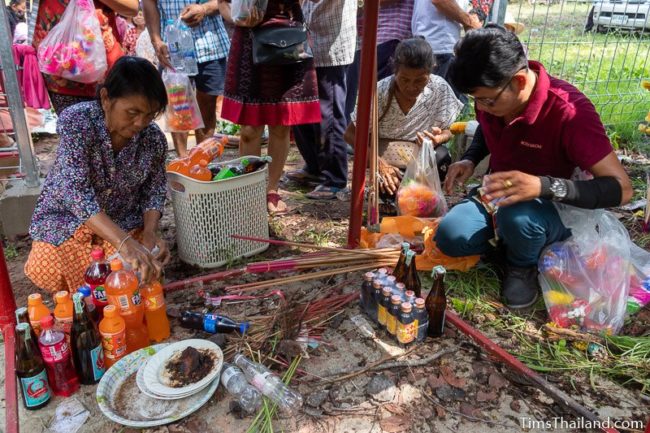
(386, 291)
(243, 327)
(400, 286)
(391, 279)
(369, 276)
(97, 254)
(406, 307)
(47, 322)
(409, 256)
(34, 299)
(170, 22)
(409, 293)
(396, 299)
(438, 270)
(22, 327)
(375, 284)
(84, 290)
(20, 311)
(203, 163)
(110, 311)
(419, 303)
(405, 247)
(116, 265)
(382, 271)
(78, 300)
(61, 297)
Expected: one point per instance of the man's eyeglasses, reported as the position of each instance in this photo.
(491, 102)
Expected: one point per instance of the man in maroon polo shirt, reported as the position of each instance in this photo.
(537, 129)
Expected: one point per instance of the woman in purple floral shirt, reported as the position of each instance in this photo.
(107, 186)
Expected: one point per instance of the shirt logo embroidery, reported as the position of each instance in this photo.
(530, 145)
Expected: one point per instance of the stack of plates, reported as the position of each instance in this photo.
(151, 379)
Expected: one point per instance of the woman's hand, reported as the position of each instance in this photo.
(512, 186)
(436, 135)
(390, 177)
(193, 14)
(151, 240)
(141, 260)
(457, 174)
(252, 20)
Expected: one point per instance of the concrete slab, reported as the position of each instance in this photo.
(16, 208)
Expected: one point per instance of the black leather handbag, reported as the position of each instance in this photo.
(281, 42)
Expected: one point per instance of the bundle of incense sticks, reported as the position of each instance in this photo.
(340, 259)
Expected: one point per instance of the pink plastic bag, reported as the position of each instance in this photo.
(182, 112)
(74, 48)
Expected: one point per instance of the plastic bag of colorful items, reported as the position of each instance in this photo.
(589, 279)
(420, 194)
(182, 112)
(74, 48)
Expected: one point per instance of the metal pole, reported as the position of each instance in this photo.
(366, 87)
(16, 104)
(7, 323)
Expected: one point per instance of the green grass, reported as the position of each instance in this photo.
(608, 68)
(10, 252)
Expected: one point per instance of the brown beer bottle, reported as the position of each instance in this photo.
(412, 280)
(436, 303)
(30, 369)
(86, 343)
(392, 314)
(400, 268)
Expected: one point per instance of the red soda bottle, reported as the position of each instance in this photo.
(95, 278)
(58, 359)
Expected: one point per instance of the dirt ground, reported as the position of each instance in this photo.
(461, 390)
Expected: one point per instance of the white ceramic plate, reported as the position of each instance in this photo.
(153, 371)
(139, 410)
(146, 391)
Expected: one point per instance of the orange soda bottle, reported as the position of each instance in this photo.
(155, 311)
(201, 171)
(63, 312)
(179, 165)
(122, 291)
(208, 149)
(112, 329)
(36, 310)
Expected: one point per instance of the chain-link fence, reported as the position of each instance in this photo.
(602, 47)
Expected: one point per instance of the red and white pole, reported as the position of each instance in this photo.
(8, 324)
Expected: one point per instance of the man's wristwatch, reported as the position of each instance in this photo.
(558, 188)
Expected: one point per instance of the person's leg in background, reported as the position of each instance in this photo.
(465, 230)
(308, 140)
(209, 85)
(278, 151)
(385, 52)
(332, 155)
(352, 86)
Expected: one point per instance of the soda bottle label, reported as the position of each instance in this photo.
(35, 389)
(99, 293)
(64, 324)
(120, 301)
(227, 374)
(136, 299)
(97, 357)
(260, 382)
(154, 302)
(391, 324)
(406, 332)
(381, 314)
(56, 352)
(210, 322)
(114, 345)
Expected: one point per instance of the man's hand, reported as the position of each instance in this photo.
(250, 21)
(457, 174)
(193, 14)
(473, 23)
(390, 177)
(513, 186)
(162, 52)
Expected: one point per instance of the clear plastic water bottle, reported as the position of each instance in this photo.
(190, 65)
(235, 382)
(173, 39)
(270, 385)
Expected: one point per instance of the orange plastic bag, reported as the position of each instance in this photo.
(410, 227)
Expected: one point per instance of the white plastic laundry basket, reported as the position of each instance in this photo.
(207, 213)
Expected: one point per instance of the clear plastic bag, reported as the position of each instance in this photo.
(241, 9)
(182, 113)
(74, 48)
(420, 193)
(586, 279)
